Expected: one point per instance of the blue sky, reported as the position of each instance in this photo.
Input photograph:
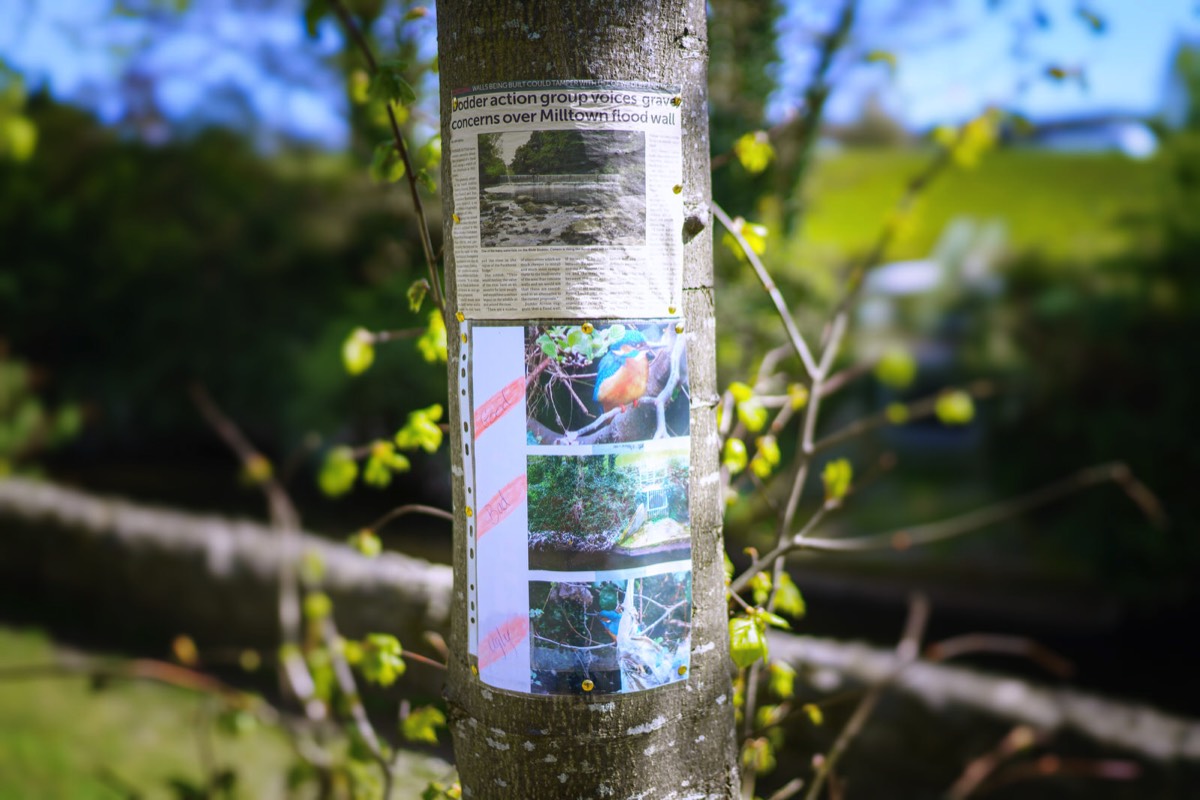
(954, 58)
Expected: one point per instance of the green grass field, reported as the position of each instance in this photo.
(1063, 206)
(61, 739)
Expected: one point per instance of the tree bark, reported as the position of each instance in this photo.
(678, 740)
(144, 571)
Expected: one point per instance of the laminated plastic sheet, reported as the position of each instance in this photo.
(577, 457)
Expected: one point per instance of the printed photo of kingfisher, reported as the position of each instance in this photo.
(624, 373)
(623, 381)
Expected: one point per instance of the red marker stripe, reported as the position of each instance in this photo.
(500, 506)
(499, 404)
(503, 640)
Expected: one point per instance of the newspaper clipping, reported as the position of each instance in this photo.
(567, 199)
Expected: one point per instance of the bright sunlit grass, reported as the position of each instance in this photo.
(1069, 207)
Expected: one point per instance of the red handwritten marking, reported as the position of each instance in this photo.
(499, 404)
(500, 506)
(503, 640)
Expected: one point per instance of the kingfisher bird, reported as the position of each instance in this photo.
(623, 373)
(612, 622)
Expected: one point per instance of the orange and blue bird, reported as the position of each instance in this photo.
(612, 622)
(623, 373)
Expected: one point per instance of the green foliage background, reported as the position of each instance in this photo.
(580, 495)
(131, 271)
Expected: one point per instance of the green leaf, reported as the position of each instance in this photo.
(774, 620)
(314, 11)
(1090, 18)
(754, 151)
(236, 722)
(734, 458)
(67, 423)
(386, 164)
(814, 713)
(955, 407)
(741, 391)
(312, 567)
(317, 605)
(382, 662)
(383, 461)
(798, 394)
(339, 472)
(896, 368)
(755, 236)
(421, 430)
(426, 180)
(768, 448)
(431, 151)
(753, 414)
(788, 598)
(760, 584)
(758, 756)
(18, 136)
(883, 57)
(376, 473)
(416, 294)
(421, 725)
(747, 643)
(256, 470)
(837, 477)
(389, 83)
(359, 89)
(366, 542)
(432, 345)
(760, 466)
(896, 413)
(358, 351)
(729, 568)
(438, 791)
(781, 680)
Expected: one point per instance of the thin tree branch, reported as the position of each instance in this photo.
(286, 522)
(917, 409)
(408, 654)
(789, 324)
(836, 382)
(1021, 737)
(971, 643)
(780, 549)
(411, 508)
(378, 337)
(358, 713)
(364, 47)
(788, 790)
(904, 538)
(815, 96)
(874, 256)
(906, 652)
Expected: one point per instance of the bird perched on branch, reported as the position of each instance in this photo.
(612, 622)
(623, 373)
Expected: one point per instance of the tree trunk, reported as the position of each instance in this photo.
(676, 740)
